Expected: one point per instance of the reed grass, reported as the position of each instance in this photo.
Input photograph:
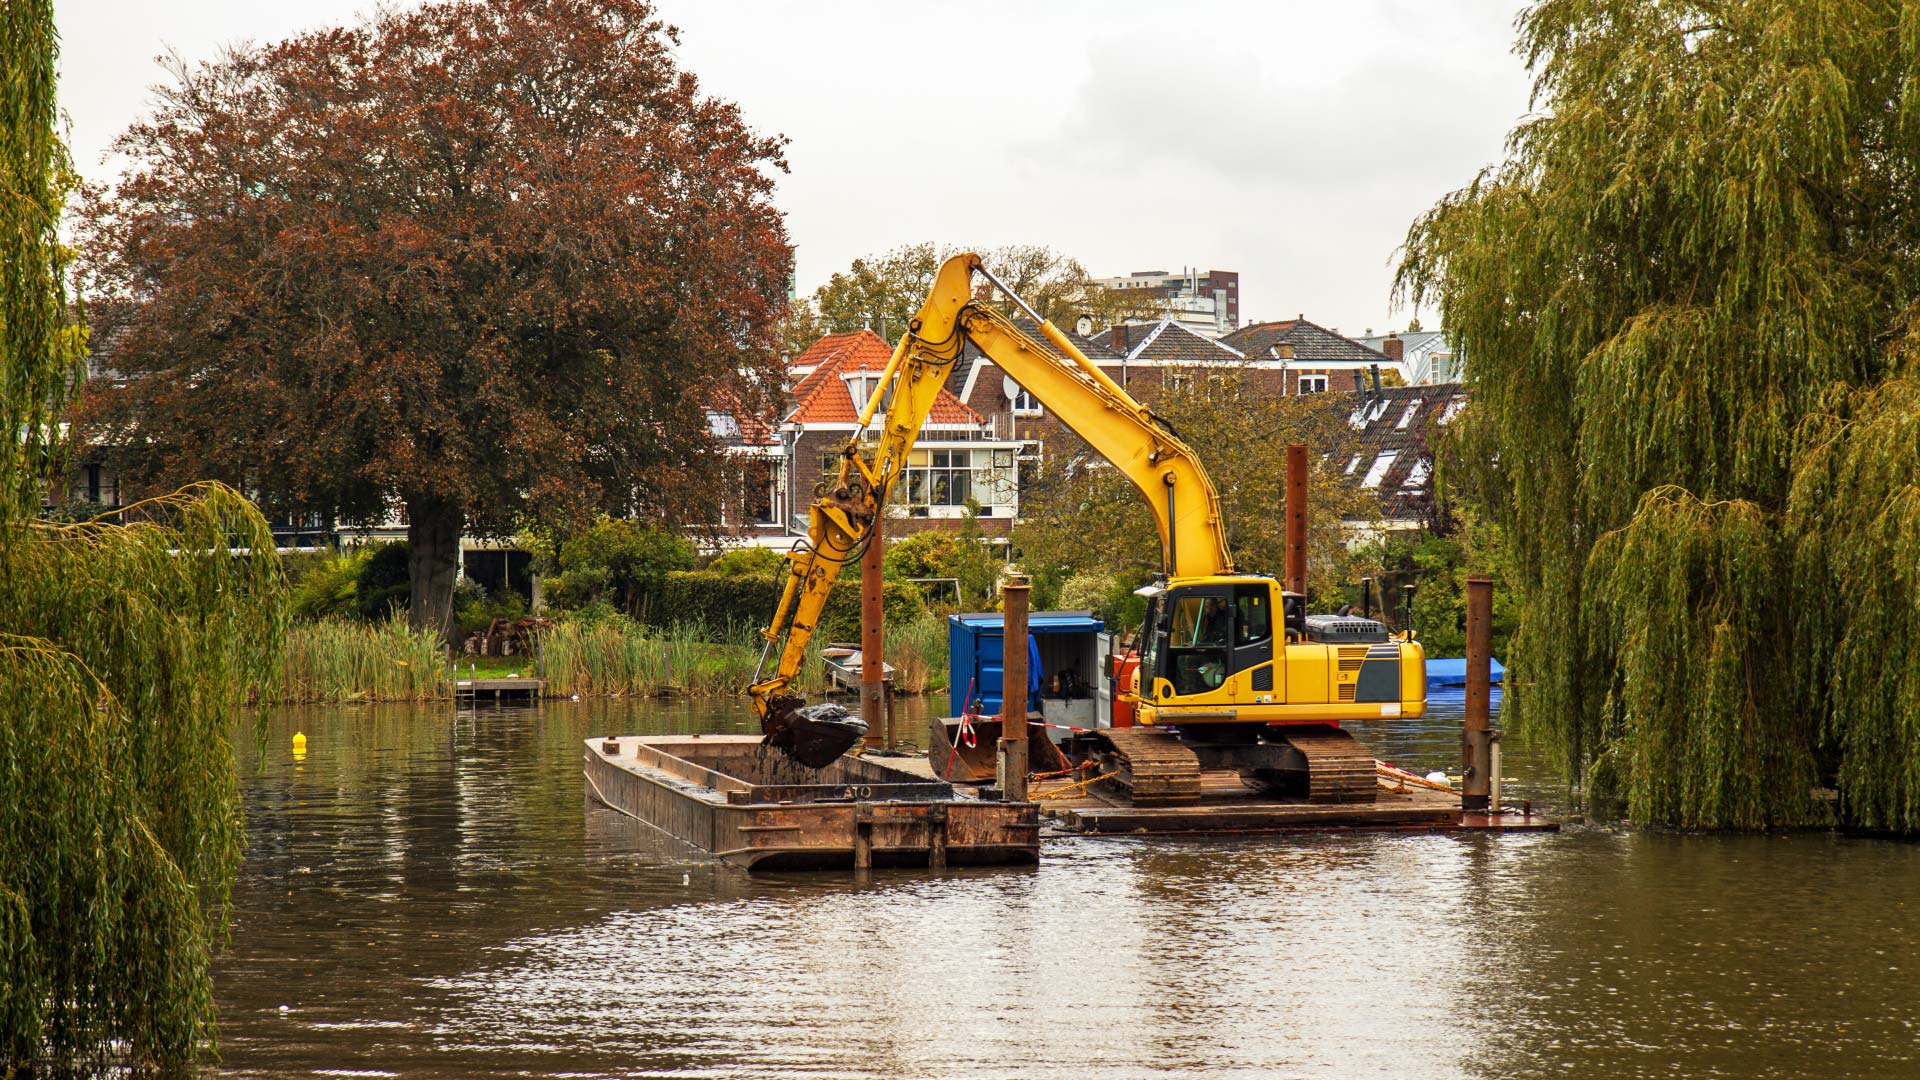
(918, 652)
(619, 658)
(349, 660)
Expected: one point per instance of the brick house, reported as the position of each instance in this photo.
(961, 455)
(1311, 358)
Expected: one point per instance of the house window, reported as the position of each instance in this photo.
(937, 482)
(1025, 404)
(1378, 472)
(1313, 384)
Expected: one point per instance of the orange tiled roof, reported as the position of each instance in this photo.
(864, 348)
(822, 397)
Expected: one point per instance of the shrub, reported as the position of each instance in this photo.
(381, 587)
(727, 604)
(625, 563)
(715, 600)
(326, 586)
(474, 608)
(748, 561)
(964, 556)
(900, 603)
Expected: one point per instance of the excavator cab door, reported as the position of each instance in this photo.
(1253, 627)
(1199, 639)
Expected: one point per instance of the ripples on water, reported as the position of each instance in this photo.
(428, 894)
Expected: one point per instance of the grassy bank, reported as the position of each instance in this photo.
(348, 660)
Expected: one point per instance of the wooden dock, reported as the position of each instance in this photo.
(1227, 806)
(729, 796)
(476, 690)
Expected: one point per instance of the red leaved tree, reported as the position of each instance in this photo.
(488, 259)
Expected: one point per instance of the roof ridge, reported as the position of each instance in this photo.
(1151, 338)
(1211, 341)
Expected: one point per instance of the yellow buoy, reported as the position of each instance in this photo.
(299, 744)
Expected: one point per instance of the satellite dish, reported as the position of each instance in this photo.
(1012, 388)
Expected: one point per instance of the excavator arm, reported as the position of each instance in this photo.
(1186, 508)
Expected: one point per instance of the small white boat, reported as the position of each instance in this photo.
(844, 667)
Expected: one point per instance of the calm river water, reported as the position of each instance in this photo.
(427, 893)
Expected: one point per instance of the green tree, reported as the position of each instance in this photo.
(964, 556)
(1688, 300)
(484, 259)
(127, 648)
(884, 292)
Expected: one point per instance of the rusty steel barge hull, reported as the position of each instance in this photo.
(727, 796)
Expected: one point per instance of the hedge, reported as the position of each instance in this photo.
(721, 600)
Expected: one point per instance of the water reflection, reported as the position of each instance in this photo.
(428, 893)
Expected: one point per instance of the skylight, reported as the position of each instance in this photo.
(1379, 470)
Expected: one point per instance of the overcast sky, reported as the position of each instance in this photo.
(1292, 142)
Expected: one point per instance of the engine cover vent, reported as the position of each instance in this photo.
(1344, 629)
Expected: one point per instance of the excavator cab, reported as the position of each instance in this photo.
(1209, 638)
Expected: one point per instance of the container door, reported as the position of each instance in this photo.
(1103, 681)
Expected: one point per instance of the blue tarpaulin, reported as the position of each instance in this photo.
(1453, 672)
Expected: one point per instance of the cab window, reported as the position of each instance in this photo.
(1255, 621)
(1200, 628)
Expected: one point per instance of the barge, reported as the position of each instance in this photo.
(729, 796)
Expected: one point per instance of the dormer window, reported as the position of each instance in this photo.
(860, 387)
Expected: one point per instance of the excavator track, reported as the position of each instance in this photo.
(1339, 767)
(1155, 767)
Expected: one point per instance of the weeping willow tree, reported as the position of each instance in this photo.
(1684, 300)
(125, 649)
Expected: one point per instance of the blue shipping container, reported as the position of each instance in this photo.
(975, 655)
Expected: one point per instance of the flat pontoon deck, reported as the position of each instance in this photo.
(728, 795)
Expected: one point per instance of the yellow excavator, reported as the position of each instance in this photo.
(1233, 674)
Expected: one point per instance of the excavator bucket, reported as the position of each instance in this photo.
(965, 749)
(814, 737)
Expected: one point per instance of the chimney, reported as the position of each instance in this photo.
(1360, 385)
(1117, 338)
(1395, 349)
(1376, 379)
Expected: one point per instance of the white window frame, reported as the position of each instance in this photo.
(1312, 384)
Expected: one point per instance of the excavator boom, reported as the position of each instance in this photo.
(841, 519)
